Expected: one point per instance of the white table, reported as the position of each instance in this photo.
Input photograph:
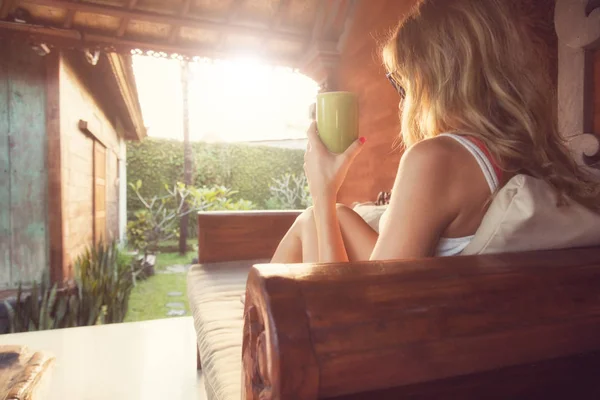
(140, 360)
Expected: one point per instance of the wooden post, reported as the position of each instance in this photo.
(187, 153)
(578, 28)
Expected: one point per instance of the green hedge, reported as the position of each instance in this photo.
(246, 169)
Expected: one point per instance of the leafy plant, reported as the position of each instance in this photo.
(247, 169)
(103, 284)
(36, 311)
(159, 220)
(289, 192)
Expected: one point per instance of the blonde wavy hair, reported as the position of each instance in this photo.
(471, 67)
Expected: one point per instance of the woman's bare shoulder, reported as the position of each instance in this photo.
(438, 154)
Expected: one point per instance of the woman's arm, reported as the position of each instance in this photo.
(326, 172)
(424, 201)
(329, 235)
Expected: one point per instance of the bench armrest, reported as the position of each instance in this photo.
(241, 235)
(512, 325)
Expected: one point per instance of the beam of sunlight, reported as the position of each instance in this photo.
(235, 100)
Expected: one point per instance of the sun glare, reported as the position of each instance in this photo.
(234, 100)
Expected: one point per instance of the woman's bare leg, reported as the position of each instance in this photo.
(300, 243)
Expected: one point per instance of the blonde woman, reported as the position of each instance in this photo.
(477, 108)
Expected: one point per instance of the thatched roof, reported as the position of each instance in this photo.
(281, 31)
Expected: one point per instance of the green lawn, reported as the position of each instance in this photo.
(173, 245)
(166, 259)
(149, 297)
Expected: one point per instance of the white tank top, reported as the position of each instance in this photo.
(453, 246)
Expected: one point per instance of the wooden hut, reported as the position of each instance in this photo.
(63, 127)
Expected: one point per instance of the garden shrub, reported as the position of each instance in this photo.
(249, 170)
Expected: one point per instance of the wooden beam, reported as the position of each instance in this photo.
(235, 10)
(332, 14)
(233, 14)
(123, 74)
(56, 230)
(175, 29)
(90, 128)
(69, 19)
(153, 17)
(125, 20)
(6, 8)
(348, 22)
(319, 21)
(74, 39)
(282, 10)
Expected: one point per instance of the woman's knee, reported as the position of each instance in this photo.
(342, 207)
(343, 211)
(304, 220)
(309, 215)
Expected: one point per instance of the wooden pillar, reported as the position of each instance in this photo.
(58, 271)
(578, 28)
(321, 64)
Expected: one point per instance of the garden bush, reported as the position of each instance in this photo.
(160, 218)
(289, 192)
(249, 170)
(100, 295)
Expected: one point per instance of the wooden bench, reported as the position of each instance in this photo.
(515, 326)
(504, 326)
(510, 326)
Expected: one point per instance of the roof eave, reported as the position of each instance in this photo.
(122, 71)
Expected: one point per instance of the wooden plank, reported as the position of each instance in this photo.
(6, 8)
(73, 39)
(168, 19)
(69, 18)
(175, 29)
(99, 208)
(27, 116)
(125, 20)
(557, 379)
(249, 235)
(318, 24)
(5, 230)
(282, 10)
(58, 267)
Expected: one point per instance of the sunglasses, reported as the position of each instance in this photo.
(396, 85)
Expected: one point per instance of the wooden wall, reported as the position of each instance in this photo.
(361, 71)
(23, 178)
(77, 103)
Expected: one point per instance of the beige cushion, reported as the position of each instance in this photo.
(214, 292)
(371, 213)
(524, 216)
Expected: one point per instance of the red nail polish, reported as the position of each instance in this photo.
(362, 140)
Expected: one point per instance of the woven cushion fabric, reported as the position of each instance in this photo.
(524, 216)
(371, 213)
(214, 292)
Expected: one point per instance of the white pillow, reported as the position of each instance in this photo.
(524, 216)
(371, 213)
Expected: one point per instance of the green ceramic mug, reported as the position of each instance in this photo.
(337, 119)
